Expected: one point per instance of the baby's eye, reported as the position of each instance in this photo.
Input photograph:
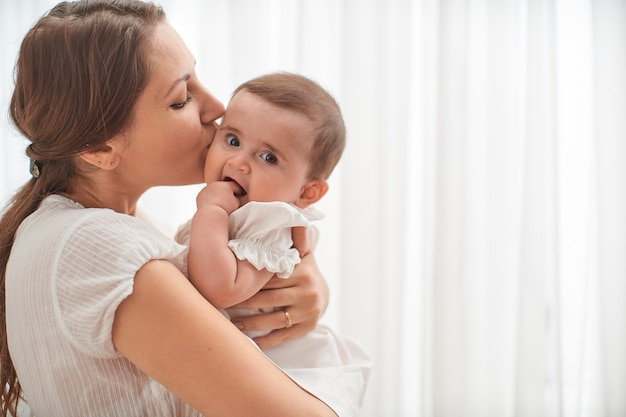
(232, 140)
(182, 104)
(269, 157)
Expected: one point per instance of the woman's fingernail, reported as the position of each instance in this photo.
(238, 324)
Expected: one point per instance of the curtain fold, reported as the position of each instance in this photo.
(609, 95)
(476, 226)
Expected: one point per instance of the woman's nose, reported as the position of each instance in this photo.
(211, 108)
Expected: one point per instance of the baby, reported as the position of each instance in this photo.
(280, 139)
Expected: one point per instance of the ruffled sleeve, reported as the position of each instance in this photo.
(261, 234)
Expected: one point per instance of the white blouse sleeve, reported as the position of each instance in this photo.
(96, 273)
(261, 234)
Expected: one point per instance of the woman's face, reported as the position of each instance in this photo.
(174, 120)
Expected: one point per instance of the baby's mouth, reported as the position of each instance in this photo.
(239, 193)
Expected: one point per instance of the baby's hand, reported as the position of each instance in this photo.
(219, 193)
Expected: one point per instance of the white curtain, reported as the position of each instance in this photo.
(475, 238)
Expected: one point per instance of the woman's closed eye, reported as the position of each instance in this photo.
(182, 104)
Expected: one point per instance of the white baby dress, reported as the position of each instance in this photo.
(332, 367)
(260, 232)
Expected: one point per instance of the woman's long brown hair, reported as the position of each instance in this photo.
(78, 75)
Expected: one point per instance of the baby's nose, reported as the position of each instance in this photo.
(240, 163)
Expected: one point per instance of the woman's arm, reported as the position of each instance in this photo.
(172, 333)
(304, 295)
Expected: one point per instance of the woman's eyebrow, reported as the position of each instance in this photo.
(184, 78)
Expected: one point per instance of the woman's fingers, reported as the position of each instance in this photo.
(300, 239)
(304, 295)
(277, 321)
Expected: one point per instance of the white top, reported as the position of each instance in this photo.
(260, 232)
(69, 270)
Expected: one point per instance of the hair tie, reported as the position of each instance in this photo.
(35, 168)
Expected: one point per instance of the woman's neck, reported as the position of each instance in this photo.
(103, 198)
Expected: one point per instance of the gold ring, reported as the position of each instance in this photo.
(287, 319)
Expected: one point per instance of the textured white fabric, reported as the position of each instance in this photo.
(260, 233)
(69, 270)
(333, 367)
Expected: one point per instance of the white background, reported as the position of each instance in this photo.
(475, 231)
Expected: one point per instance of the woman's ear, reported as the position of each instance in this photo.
(312, 192)
(105, 157)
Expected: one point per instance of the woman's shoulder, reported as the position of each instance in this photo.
(73, 227)
(59, 211)
(74, 217)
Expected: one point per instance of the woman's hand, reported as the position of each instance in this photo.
(304, 296)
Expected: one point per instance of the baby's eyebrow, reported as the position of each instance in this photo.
(276, 151)
(230, 129)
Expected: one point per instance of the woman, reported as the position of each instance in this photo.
(99, 320)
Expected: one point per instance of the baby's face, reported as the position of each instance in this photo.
(263, 148)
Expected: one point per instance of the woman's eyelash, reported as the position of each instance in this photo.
(178, 106)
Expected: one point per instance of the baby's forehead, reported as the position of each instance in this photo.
(248, 98)
(246, 105)
(253, 118)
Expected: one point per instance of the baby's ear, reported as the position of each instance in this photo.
(312, 192)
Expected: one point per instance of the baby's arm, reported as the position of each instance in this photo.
(213, 269)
